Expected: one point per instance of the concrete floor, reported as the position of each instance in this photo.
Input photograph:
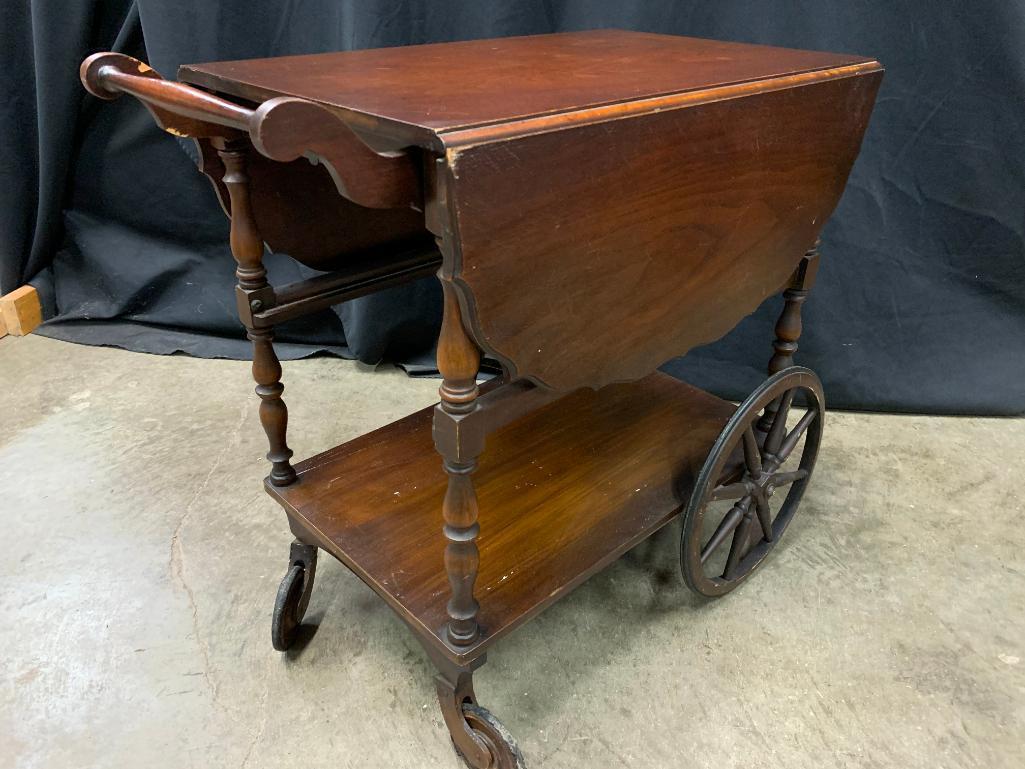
(140, 557)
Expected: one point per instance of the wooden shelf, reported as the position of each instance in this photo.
(563, 492)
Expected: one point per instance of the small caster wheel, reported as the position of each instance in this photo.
(293, 595)
(505, 754)
(752, 482)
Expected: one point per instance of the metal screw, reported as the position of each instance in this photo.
(256, 305)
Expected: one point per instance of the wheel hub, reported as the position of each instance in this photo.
(761, 484)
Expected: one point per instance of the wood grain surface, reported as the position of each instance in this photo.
(604, 200)
(301, 213)
(418, 92)
(562, 492)
(593, 253)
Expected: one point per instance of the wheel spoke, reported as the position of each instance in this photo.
(726, 525)
(738, 546)
(790, 442)
(764, 516)
(729, 491)
(752, 457)
(784, 479)
(779, 422)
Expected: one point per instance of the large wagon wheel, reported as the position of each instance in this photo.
(768, 446)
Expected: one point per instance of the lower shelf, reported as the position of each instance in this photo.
(563, 492)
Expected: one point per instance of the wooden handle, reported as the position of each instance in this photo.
(282, 129)
(178, 109)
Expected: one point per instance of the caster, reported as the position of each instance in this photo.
(478, 737)
(752, 482)
(505, 754)
(293, 595)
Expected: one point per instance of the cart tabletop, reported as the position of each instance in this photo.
(602, 201)
(425, 90)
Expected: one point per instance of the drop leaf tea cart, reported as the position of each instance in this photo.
(592, 204)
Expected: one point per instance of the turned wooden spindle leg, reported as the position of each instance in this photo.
(459, 441)
(273, 412)
(247, 248)
(789, 326)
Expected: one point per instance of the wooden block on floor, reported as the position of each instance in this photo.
(21, 311)
(3, 326)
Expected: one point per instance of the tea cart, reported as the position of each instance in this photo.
(592, 204)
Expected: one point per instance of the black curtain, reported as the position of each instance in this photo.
(920, 303)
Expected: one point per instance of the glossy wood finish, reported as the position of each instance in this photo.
(247, 248)
(789, 326)
(648, 235)
(253, 158)
(302, 215)
(459, 446)
(286, 129)
(176, 108)
(596, 179)
(595, 203)
(282, 129)
(416, 93)
(362, 274)
(561, 492)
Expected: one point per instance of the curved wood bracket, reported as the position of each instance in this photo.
(453, 691)
(282, 129)
(286, 128)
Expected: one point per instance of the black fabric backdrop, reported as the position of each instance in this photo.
(920, 304)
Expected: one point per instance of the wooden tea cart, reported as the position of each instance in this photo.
(593, 204)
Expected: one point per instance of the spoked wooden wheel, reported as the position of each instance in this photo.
(752, 482)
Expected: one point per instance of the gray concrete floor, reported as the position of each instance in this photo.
(139, 559)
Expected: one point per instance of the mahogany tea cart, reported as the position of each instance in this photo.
(593, 204)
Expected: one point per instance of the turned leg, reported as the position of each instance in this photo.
(788, 327)
(273, 412)
(247, 248)
(460, 441)
(478, 736)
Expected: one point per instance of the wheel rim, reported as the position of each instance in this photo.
(505, 754)
(731, 509)
(288, 608)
